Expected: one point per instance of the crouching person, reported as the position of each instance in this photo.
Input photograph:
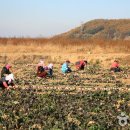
(115, 66)
(80, 64)
(7, 82)
(50, 70)
(5, 70)
(40, 68)
(65, 67)
(41, 72)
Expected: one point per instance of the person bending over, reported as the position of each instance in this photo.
(65, 67)
(80, 64)
(115, 66)
(5, 70)
(7, 82)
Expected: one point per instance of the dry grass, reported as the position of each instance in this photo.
(22, 45)
(59, 49)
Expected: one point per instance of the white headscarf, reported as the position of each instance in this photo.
(50, 66)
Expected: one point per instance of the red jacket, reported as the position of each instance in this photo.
(79, 64)
(114, 65)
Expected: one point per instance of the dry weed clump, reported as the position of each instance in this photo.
(59, 44)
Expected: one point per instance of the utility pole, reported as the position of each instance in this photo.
(81, 28)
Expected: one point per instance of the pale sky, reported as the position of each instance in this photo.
(50, 17)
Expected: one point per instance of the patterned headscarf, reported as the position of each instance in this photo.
(8, 66)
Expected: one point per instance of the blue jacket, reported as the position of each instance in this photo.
(64, 68)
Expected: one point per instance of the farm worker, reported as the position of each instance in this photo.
(50, 69)
(80, 64)
(41, 63)
(40, 69)
(5, 70)
(7, 81)
(41, 72)
(115, 66)
(65, 67)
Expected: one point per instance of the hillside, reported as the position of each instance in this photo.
(106, 29)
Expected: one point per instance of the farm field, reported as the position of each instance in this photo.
(82, 100)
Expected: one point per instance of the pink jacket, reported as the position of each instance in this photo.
(114, 65)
